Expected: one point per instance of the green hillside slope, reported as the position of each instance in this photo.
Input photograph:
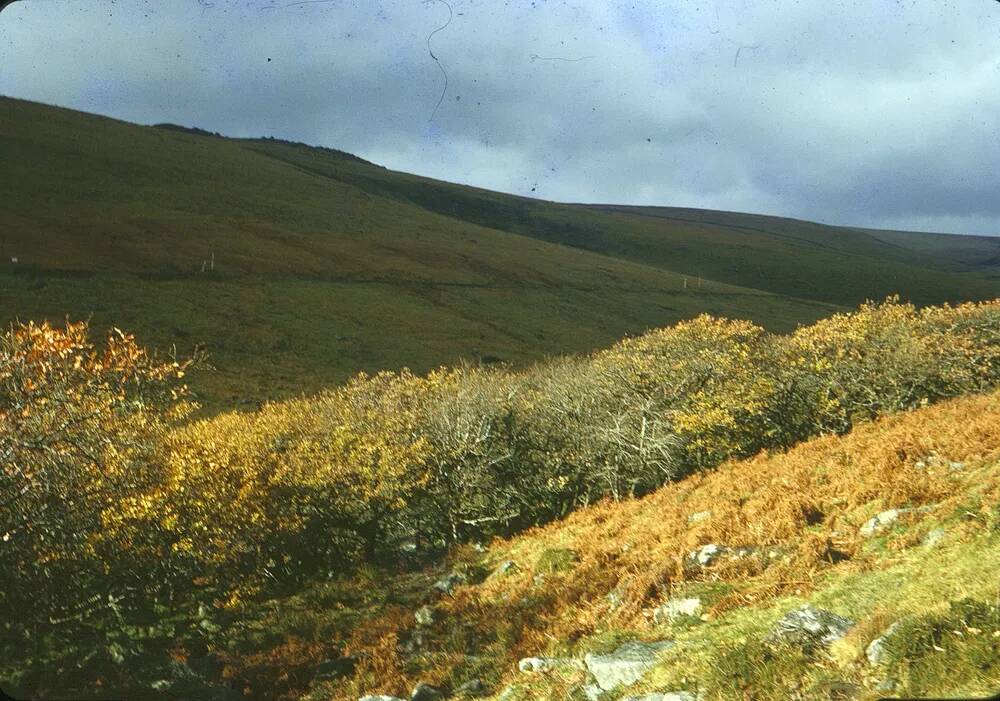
(551, 614)
(325, 265)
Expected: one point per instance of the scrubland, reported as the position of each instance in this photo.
(288, 551)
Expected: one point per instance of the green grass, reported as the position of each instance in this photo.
(326, 265)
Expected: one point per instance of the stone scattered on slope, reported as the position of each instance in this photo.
(675, 608)
(509, 693)
(708, 555)
(664, 696)
(506, 567)
(616, 597)
(880, 522)
(934, 537)
(447, 584)
(380, 697)
(426, 692)
(626, 665)
(699, 516)
(473, 687)
(875, 652)
(530, 665)
(180, 680)
(809, 627)
(424, 616)
(414, 642)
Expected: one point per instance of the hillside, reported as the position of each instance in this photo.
(326, 265)
(792, 530)
(708, 509)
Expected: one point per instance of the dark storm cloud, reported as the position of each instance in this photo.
(872, 113)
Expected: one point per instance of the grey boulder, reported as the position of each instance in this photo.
(879, 522)
(424, 616)
(809, 627)
(473, 687)
(626, 665)
(675, 608)
(530, 665)
(447, 584)
(426, 692)
(875, 652)
(708, 555)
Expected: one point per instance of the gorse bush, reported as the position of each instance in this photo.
(82, 445)
(885, 358)
(396, 460)
(105, 493)
(298, 486)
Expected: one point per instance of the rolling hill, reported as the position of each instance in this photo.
(297, 267)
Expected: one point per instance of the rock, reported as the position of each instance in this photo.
(707, 555)
(626, 665)
(556, 560)
(879, 522)
(473, 687)
(592, 692)
(447, 584)
(380, 697)
(616, 597)
(675, 608)
(183, 682)
(530, 665)
(424, 616)
(508, 694)
(506, 567)
(875, 652)
(209, 627)
(934, 537)
(426, 692)
(808, 627)
(664, 696)
(699, 516)
(412, 644)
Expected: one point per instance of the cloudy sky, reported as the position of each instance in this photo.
(877, 113)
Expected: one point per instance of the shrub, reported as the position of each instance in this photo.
(81, 434)
(298, 486)
(885, 358)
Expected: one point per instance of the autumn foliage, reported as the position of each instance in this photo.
(397, 460)
(81, 445)
(113, 495)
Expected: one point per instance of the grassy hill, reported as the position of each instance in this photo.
(590, 583)
(326, 265)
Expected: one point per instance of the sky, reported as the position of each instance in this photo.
(883, 113)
